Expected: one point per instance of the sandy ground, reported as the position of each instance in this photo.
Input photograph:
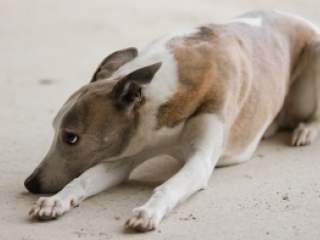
(50, 48)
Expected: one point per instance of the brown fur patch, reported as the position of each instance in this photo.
(198, 83)
(237, 71)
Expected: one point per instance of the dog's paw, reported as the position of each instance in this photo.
(50, 208)
(303, 135)
(144, 219)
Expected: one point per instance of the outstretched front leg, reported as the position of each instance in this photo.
(91, 182)
(201, 147)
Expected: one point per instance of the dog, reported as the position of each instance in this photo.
(205, 97)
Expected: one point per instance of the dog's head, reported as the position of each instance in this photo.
(95, 124)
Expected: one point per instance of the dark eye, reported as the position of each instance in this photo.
(70, 138)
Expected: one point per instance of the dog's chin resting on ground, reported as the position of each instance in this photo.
(205, 97)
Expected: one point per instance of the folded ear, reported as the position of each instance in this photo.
(128, 91)
(113, 62)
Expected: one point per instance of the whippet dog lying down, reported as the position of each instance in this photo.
(205, 97)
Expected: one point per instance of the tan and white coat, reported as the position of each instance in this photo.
(219, 89)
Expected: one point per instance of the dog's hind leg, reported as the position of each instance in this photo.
(307, 96)
(202, 141)
(271, 130)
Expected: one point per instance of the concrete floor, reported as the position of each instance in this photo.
(50, 48)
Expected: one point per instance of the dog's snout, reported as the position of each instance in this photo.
(32, 184)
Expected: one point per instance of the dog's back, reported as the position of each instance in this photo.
(241, 71)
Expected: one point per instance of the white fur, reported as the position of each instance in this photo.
(203, 140)
(161, 89)
(252, 21)
(305, 133)
(165, 83)
(92, 181)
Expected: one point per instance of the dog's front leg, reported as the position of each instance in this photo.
(91, 182)
(202, 143)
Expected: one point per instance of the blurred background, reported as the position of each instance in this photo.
(49, 48)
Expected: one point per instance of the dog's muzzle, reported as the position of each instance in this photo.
(32, 183)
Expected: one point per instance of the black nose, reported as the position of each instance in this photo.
(32, 184)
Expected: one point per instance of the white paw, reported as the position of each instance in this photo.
(50, 208)
(304, 135)
(144, 219)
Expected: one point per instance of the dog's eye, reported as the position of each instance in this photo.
(70, 138)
